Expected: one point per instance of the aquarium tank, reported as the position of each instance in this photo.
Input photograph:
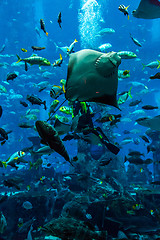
(79, 120)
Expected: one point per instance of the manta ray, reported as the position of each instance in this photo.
(93, 76)
(148, 9)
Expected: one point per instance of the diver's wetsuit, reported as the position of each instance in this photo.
(85, 125)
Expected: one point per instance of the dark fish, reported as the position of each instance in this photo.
(25, 125)
(135, 41)
(42, 24)
(24, 104)
(134, 103)
(156, 76)
(145, 139)
(26, 67)
(156, 183)
(35, 100)
(137, 160)
(37, 48)
(11, 183)
(69, 137)
(4, 135)
(59, 20)
(135, 153)
(1, 111)
(2, 48)
(149, 107)
(11, 76)
(126, 132)
(114, 121)
(50, 137)
(41, 89)
(105, 162)
(151, 148)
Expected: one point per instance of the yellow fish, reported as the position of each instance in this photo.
(24, 50)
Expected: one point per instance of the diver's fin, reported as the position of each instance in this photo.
(112, 148)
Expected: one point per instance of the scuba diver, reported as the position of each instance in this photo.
(85, 126)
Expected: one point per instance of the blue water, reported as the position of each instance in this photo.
(18, 31)
(18, 22)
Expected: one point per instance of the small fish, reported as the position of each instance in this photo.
(11, 183)
(46, 150)
(106, 31)
(35, 100)
(135, 41)
(149, 107)
(1, 111)
(37, 31)
(66, 110)
(154, 64)
(4, 135)
(151, 149)
(2, 89)
(24, 50)
(134, 103)
(121, 75)
(145, 139)
(71, 47)
(11, 76)
(135, 154)
(38, 163)
(25, 125)
(124, 10)
(126, 72)
(58, 62)
(105, 162)
(56, 91)
(14, 158)
(156, 76)
(124, 96)
(126, 54)
(104, 47)
(37, 48)
(42, 25)
(59, 20)
(34, 60)
(53, 105)
(2, 48)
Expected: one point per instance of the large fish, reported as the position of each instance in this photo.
(50, 137)
(93, 77)
(147, 9)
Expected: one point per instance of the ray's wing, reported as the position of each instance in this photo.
(148, 9)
